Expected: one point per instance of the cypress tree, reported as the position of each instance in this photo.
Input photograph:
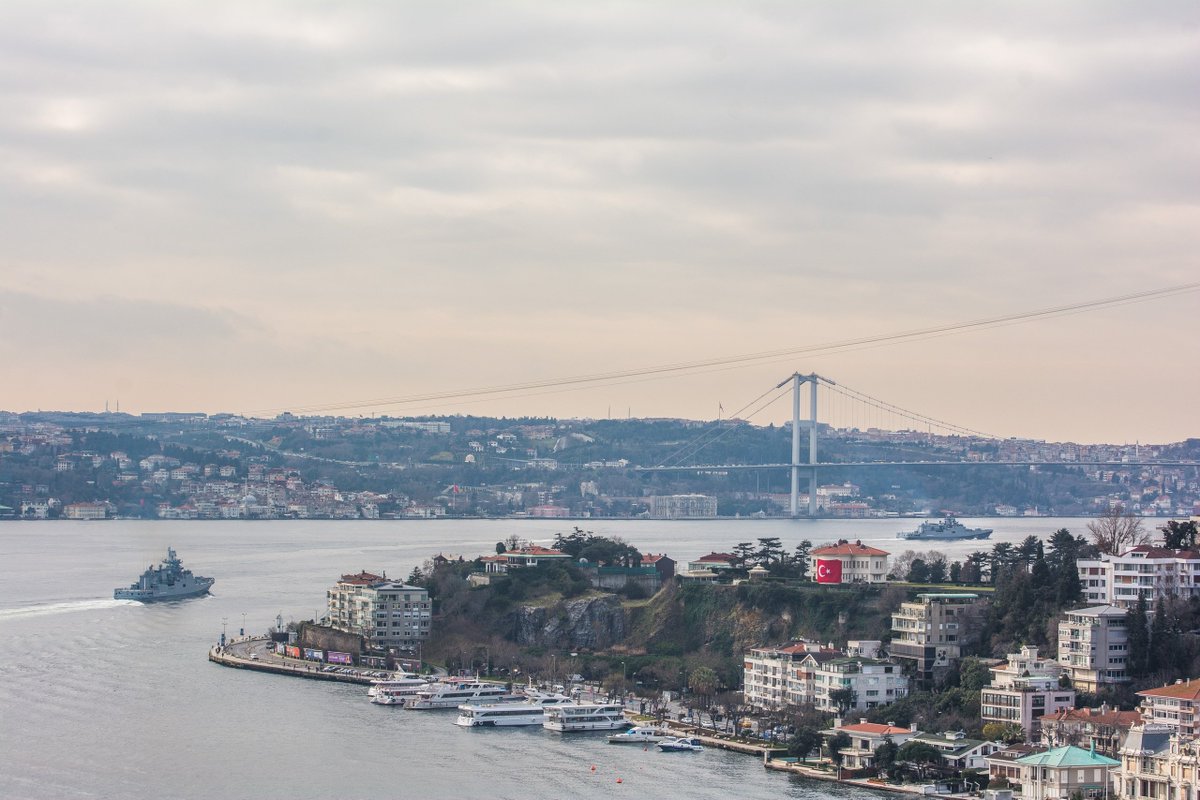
(1138, 636)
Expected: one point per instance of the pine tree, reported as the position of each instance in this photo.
(1138, 636)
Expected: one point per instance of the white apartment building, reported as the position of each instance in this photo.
(1175, 707)
(859, 562)
(865, 739)
(1023, 690)
(871, 683)
(769, 674)
(683, 506)
(928, 632)
(1093, 647)
(388, 613)
(1145, 571)
(806, 672)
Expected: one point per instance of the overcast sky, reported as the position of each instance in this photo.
(257, 206)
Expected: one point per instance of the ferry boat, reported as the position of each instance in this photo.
(463, 691)
(948, 529)
(502, 715)
(571, 717)
(683, 744)
(169, 581)
(641, 734)
(403, 685)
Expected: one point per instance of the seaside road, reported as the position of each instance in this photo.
(258, 653)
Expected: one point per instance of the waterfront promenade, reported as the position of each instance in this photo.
(258, 653)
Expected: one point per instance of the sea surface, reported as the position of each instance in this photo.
(115, 699)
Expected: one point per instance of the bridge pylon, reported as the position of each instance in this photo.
(798, 381)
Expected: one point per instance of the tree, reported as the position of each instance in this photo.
(973, 674)
(1008, 732)
(1137, 634)
(918, 753)
(800, 558)
(703, 683)
(803, 742)
(742, 553)
(1115, 531)
(1179, 535)
(885, 754)
(937, 569)
(844, 699)
(837, 743)
(918, 571)
(770, 550)
(501, 548)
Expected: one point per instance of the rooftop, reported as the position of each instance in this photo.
(847, 549)
(1068, 756)
(1182, 690)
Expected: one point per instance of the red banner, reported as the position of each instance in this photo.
(829, 570)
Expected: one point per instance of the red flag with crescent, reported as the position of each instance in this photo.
(829, 570)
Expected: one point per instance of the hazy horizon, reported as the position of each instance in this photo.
(267, 206)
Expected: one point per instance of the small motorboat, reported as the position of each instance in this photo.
(642, 734)
(680, 745)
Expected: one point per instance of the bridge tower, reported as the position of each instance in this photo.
(811, 423)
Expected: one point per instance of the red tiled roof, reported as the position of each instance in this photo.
(650, 558)
(536, 550)
(1161, 552)
(1119, 719)
(847, 549)
(1184, 690)
(717, 558)
(362, 579)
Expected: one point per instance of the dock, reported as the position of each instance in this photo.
(238, 654)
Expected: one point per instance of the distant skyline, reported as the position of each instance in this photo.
(263, 206)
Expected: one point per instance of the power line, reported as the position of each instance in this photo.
(750, 358)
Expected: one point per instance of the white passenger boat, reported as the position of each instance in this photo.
(570, 717)
(457, 692)
(642, 734)
(501, 715)
(683, 744)
(403, 684)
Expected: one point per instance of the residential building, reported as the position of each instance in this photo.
(859, 563)
(1103, 729)
(1023, 690)
(1175, 706)
(1093, 647)
(870, 683)
(928, 633)
(529, 556)
(770, 673)
(713, 562)
(389, 614)
(663, 563)
(683, 506)
(1002, 764)
(1158, 764)
(85, 510)
(1144, 571)
(959, 752)
(865, 738)
(1062, 772)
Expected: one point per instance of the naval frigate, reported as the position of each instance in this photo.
(168, 581)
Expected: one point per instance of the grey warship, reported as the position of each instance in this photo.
(948, 529)
(168, 581)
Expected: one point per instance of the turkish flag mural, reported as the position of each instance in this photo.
(829, 570)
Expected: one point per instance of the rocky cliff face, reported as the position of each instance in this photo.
(585, 622)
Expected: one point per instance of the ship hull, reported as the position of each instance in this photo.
(155, 595)
(912, 537)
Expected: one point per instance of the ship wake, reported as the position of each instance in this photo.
(47, 609)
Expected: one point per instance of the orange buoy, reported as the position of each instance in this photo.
(593, 767)
(619, 780)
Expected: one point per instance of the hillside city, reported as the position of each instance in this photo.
(1056, 668)
(223, 466)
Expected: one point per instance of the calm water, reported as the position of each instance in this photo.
(102, 698)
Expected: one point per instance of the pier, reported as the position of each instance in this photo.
(257, 653)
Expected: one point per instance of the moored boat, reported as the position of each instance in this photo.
(642, 734)
(455, 692)
(683, 744)
(504, 715)
(572, 717)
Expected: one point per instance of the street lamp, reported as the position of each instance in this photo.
(224, 620)
(243, 631)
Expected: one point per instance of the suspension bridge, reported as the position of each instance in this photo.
(810, 466)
